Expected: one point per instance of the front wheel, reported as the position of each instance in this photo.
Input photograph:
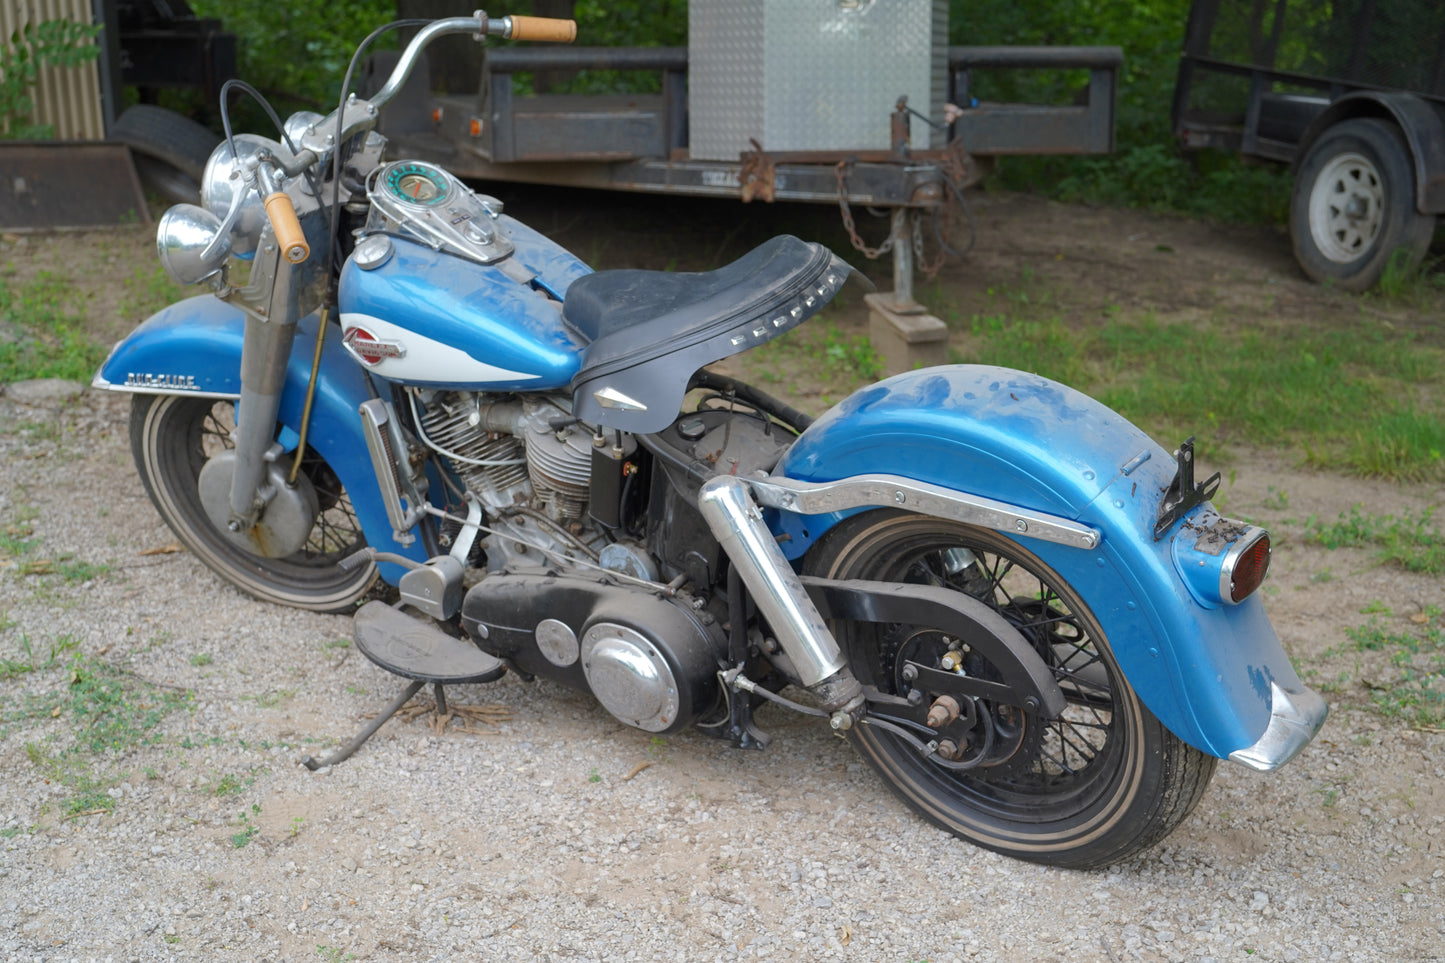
(172, 437)
(1094, 786)
(1353, 206)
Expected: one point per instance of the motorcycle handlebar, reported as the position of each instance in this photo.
(282, 214)
(509, 28)
(544, 29)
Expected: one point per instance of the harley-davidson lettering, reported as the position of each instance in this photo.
(170, 382)
(367, 349)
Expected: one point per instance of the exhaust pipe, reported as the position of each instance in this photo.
(737, 523)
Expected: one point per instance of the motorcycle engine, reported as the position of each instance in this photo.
(530, 464)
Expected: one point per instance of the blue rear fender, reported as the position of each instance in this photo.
(194, 346)
(1204, 671)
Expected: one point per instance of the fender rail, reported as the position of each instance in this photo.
(894, 491)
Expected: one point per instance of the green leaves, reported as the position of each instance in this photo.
(56, 43)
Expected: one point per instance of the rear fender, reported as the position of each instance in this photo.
(194, 347)
(1207, 673)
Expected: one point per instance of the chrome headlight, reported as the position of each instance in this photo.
(222, 186)
(190, 243)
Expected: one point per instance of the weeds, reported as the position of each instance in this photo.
(1402, 667)
(115, 711)
(31, 661)
(248, 830)
(1412, 542)
(52, 342)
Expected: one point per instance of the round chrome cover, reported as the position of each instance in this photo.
(285, 523)
(629, 676)
(189, 243)
(373, 252)
(557, 642)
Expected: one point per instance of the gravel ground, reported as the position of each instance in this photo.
(151, 805)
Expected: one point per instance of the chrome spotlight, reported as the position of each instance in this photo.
(226, 194)
(190, 243)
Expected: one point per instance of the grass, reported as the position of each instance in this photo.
(111, 713)
(1358, 400)
(50, 341)
(30, 660)
(1410, 685)
(1410, 541)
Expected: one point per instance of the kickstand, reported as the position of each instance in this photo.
(344, 753)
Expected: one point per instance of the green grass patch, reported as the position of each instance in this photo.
(50, 341)
(1359, 401)
(1410, 541)
(115, 711)
(1410, 686)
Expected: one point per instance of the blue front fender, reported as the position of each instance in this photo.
(194, 347)
(1205, 672)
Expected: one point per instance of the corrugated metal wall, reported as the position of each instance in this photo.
(66, 97)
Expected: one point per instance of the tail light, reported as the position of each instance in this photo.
(1245, 566)
(1225, 562)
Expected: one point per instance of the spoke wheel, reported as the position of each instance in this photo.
(1353, 206)
(171, 439)
(1099, 783)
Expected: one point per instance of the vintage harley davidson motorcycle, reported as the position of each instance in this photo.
(1023, 612)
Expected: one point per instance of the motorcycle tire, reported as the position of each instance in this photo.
(1103, 781)
(172, 436)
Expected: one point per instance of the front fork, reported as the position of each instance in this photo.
(736, 521)
(265, 351)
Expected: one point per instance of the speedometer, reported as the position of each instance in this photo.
(417, 183)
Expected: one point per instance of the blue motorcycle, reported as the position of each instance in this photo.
(1024, 613)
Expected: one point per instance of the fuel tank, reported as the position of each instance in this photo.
(418, 316)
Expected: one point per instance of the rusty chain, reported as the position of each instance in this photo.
(871, 253)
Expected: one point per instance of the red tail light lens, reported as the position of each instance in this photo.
(1245, 567)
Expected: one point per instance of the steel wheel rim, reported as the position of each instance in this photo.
(1084, 791)
(1346, 207)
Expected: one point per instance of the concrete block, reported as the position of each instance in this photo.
(904, 341)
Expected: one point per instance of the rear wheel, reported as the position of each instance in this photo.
(171, 439)
(1099, 783)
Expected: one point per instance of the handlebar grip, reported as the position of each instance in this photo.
(288, 229)
(545, 29)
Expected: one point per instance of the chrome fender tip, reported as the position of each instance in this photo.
(1294, 719)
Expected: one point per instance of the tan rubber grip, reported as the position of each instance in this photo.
(288, 229)
(545, 29)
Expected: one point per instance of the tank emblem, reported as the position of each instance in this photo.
(369, 349)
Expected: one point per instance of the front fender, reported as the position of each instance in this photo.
(194, 347)
(1208, 673)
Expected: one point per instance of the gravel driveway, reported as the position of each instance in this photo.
(151, 805)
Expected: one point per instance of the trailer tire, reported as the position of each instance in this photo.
(1353, 206)
(170, 150)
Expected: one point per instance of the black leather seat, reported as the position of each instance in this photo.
(648, 331)
(604, 304)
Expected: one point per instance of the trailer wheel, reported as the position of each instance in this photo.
(170, 150)
(1353, 205)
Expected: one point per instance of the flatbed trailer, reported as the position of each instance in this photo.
(1350, 94)
(648, 142)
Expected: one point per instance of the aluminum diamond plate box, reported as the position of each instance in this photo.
(811, 75)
